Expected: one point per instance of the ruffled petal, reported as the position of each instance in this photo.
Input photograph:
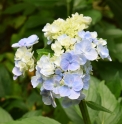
(74, 94)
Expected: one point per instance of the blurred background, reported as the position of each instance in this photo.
(22, 18)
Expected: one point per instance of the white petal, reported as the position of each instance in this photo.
(73, 94)
(32, 40)
(91, 55)
(16, 71)
(15, 45)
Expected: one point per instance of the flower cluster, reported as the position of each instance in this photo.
(67, 72)
(70, 26)
(24, 57)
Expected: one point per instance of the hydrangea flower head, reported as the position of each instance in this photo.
(24, 60)
(69, 62)
(65, 73)
(73, 86)
(27, 42)
(70, 26)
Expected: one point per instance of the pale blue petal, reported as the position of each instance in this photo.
(48, 84)
(35, 80)
(77, 84)
(48, 98)
(73, 66)
(103, 51)
(85, 45)
(49, 42)
(58, 71)
(91, 55)
(15, 45)
(15, 77)
(74, 94)
(68, 79)
(66, 56)
(81, 34)
(57, 77)
(56, 90)
(75, 59)
(31, 40)
(82, 59)
(64, 65)
(64, 91)
(16, 71)
(22, 42)
(78, 49)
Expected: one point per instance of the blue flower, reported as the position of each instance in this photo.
(52, 85)
(85, 48)
(82, 59)
(72, 86)
(27, 42)
(16, 71)
(87, 35)
(58, 74)
(48, 98)
(35, 80)
(84, 35)
(103, 52)
(70, 62)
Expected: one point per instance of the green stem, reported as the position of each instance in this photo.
(68, 9)
(70, 4)
(84, 112)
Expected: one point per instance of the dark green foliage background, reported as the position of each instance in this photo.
(19, 101)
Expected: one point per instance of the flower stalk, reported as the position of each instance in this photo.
(84, 112)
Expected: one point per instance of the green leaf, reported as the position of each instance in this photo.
(5, 82)
(1, 57)
(109, 101)
(33, 98)
(36, 20)
(9, 65)
(19, 21)
(32, 114)
(115, 85)
(15, 8)
(44, 52)
(100, 94)
(92, 95)
(60, 115)
(97, 107)
(73, 113)
(17, 104)
(115, 33)
(118, 51)
(29, 10)
(42, 2)
(115, 7)
(16, 37)
(4, 116)
(34, 120)
(80, 4)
